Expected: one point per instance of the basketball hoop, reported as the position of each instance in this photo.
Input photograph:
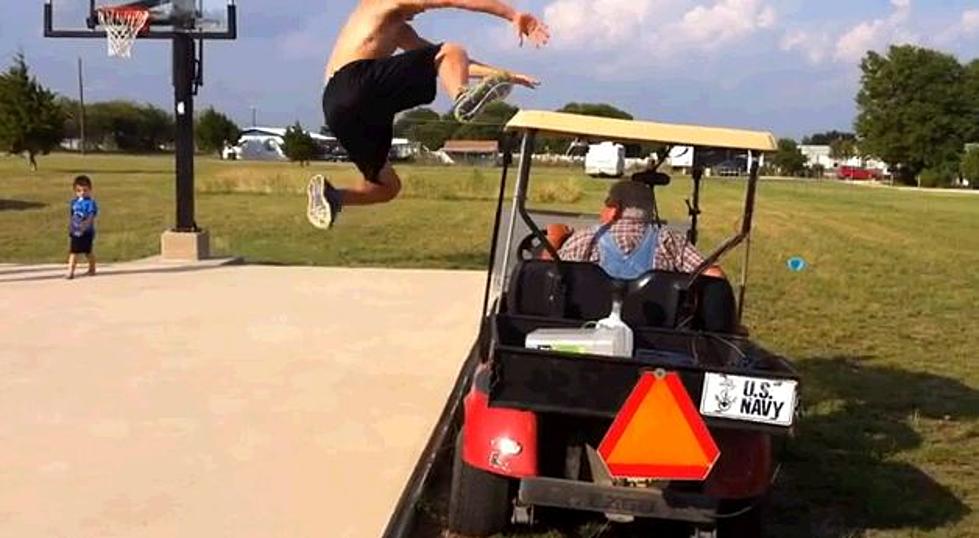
(122, 25)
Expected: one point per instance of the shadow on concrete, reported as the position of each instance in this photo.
(109, 272)
(475, 260)
(20, 205)
(843, 476)
(462, 260)
(21, 269)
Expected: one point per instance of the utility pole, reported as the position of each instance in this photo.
(81, 105)
(254, 117)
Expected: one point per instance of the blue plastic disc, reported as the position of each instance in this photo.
(796, 264)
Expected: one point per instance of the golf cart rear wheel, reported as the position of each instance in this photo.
(748, 523)
(480, 503)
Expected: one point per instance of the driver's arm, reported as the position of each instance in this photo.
(491, 7)
(683, 256)
(557, 235)
(715, 271)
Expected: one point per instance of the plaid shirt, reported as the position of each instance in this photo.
(673, 253)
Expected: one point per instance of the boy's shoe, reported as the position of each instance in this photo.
(323, 203)
(471, 101)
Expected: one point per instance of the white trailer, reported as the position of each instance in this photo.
(606, 159)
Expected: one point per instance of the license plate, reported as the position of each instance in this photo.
(754, 399)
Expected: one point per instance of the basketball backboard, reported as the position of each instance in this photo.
(212, 19)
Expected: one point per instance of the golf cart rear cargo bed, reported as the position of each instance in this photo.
(596, 386)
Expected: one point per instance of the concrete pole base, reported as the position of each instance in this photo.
(185, 246)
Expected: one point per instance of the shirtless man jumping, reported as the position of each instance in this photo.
(366, 87)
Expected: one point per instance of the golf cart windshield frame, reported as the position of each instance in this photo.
(530, 123)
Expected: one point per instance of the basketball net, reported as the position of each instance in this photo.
(122, 25)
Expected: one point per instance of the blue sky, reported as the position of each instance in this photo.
(789, 66)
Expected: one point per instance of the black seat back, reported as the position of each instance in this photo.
(571, 290)
(708, 305)
(583, 291)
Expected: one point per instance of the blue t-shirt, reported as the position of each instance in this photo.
(82, 209)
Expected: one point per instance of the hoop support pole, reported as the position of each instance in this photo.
(184, 75)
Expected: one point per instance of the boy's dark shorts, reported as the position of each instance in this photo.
(82, 244)
(362, 98)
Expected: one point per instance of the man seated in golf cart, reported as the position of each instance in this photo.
(629, 241)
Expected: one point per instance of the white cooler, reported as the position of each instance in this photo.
(613, 341)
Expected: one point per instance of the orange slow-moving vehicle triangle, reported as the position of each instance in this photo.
(659, 434)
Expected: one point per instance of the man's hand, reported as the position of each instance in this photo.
(557, 234)
(524, 80)
(529, 27)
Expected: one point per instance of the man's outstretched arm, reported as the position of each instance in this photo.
(491, 7)
(526, 24)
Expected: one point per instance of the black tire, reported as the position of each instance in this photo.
(750, 524)
(480, 502)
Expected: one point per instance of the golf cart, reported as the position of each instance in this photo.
(680, 427)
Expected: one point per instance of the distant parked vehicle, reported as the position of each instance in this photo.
(730, 168)
(605, 160)
(336, 154)
(231, 153)
(857, 173)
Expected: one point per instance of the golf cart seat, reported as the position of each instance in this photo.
(583, 291)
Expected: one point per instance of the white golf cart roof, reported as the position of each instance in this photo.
(641, 131)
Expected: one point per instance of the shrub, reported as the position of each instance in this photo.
(939, 177)
(970, 167)
(568, 191)
(252, 181)
(475, 186)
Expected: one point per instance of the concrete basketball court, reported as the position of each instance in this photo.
(221, 401)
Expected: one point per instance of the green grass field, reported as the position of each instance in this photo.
(883, 323)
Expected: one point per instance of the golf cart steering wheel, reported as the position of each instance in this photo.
(530, 248)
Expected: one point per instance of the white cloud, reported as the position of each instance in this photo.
(851, 45)
(722, 23)
(965, 28)
(871, 35)
(657, 26)
(597, 23)
(767, 18)
(815, 45)
(970, 22)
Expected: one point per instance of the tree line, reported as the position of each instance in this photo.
(35, 121)
(131, 127)
(433, 130)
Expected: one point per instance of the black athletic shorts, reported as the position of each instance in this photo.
(362, 98)
(82, 244)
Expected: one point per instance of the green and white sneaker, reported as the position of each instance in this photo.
(323, 203)
(473, 99)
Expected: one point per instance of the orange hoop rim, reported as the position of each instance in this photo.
(127, 10)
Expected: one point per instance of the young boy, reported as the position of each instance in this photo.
(366, 87)
(81, 227)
